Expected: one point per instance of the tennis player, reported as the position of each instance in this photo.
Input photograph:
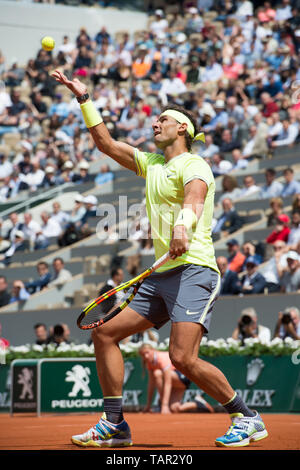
(183, 290)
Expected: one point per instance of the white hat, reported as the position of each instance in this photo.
(90, 200)
(79, 198)
(293, 255)
(159, 13)
(68, 164)
(83, 165)
(19, 234)
(193, 10)
(27, 145)
(219, 104)
(49, 169)
(181, 37)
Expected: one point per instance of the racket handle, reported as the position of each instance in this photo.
(161, 261)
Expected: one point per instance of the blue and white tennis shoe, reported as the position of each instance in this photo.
(243, 430)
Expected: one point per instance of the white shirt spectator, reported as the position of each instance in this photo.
(6, 169)
(51, 228)
(244, 8)
(5, 101)
(63, 276)
(292, 133)
(284, 13)
(31, 230)
(212, 73)
(172, 86)
(159, 26)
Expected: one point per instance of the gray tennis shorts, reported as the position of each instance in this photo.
(183, 294)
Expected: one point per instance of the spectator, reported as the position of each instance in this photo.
(248, 327)
(19, 293)
(229, 221)
(50, 178)
(288, 324)
(105, 175)
(163, 376)
(276, 265)
(296, 203)
(41, 334)
(58, 335)
(230, 283)
(210, 148)
(256, 145)
(272, 188)
(220, 165)
(116, 278)
(290, 279)
(61, 217)
(83, 175)
(18, 244)
(253, 282)
(239, 162)
(249, 250)
(288, 134)
(159, 26)
(294, 234)
(276, 204)
(228, 143)
(250, 188)
(90, 203)
(61, 275)
(230, 189)
(269, 105)
(4, 294)
(235, 257)
(31, 229)
(291, 186)
(281, 230)
(78, 211)
(50, 227)
(43, 280)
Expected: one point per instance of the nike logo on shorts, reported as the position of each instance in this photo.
(191, 313)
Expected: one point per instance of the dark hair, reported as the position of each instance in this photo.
(44, 263)
(270, 171)
(115, 271)
(58, 330)
(37, 325)
(192, 118)
(59, 259)
(288, 170)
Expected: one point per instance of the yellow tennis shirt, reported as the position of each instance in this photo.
(164, 198)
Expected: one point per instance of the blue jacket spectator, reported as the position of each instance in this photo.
(291, 186)
(42, 281)
(252, 282)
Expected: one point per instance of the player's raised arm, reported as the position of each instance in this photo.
(119, 151)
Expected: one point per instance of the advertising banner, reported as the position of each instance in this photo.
(266, 383)
(24, 396)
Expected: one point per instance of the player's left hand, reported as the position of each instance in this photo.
(179, 243)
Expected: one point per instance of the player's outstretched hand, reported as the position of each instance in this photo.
(75, 85)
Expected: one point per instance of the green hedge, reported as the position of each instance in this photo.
(208, 348)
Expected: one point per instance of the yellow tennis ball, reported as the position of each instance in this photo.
(48, 43)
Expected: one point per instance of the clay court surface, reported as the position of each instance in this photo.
(150, 432)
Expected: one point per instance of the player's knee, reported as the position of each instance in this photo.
(180, 360)
(99, 337)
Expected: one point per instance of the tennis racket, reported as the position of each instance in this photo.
(93, 315)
